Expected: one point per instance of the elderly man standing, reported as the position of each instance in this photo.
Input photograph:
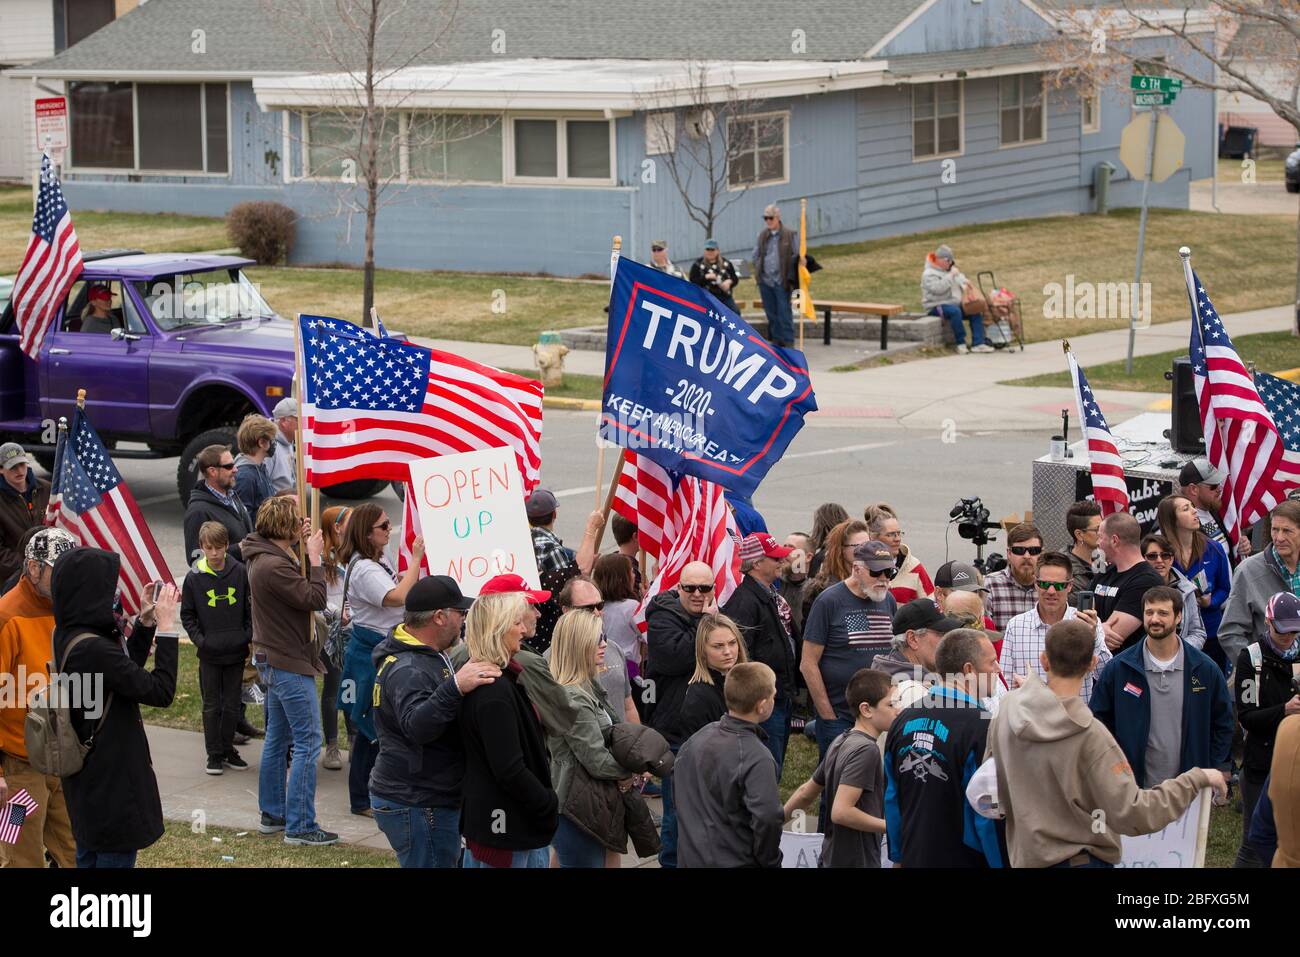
(26, 634)
(23, 498)
(283, 463)
(774, 256)
(659, 259)
(672, 619)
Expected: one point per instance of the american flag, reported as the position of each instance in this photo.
(410, 531)
(15, 815)
(374, 404)
(1241, 439)
(51, 266)
(644, 497)
(1282, 398)
(90, 500)
(1108, 486)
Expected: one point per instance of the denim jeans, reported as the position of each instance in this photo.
(292, 716)
(668, 824)
(780, 317)
(105, 858)
(537, 857)
(778, 732)
(575, 847)
(827, 732)
(421, 836)
(953, 315)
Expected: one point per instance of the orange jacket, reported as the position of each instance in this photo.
(26, 630)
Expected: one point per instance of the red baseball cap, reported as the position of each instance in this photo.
(506, 584)
(759, 544)
(101, 292)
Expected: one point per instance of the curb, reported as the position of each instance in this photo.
(577, 405)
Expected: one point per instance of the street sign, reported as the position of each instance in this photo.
(1153, 99)
(52, 124)
(1163, 84)
(1135, 145)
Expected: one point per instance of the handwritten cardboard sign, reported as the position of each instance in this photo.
(471, 508)
(1181, 844)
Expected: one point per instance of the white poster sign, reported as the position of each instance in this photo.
(471, 508)
(1181, 844)
(800, 850)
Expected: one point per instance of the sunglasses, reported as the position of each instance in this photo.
(1052, 586)
(384, 525)
(769, 218)
(1026, 549)
(596, 606)
(226, 466)
(883, 573)
(1162, 556)
(696, 589)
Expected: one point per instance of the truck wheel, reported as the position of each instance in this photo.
(187, 470)
(399, 490)
(361, 488)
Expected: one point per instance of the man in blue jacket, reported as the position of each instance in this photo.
(1166, 703)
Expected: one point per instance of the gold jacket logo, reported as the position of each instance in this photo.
(76, 910)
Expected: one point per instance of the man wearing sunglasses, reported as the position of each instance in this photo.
(1119, 589)
(774, 255)
(213, 499)
(1025, 638)
(1011, 590)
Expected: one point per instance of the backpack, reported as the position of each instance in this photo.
(53, 746)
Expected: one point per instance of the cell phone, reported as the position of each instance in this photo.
(157, 590)
(1085, 600)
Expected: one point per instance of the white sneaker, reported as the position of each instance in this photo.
(982, 347)
(961, 349)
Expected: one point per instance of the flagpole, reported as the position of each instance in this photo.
(614, 252)
(299, 393)
(803, 252)
(609, 498)
(1185, 254)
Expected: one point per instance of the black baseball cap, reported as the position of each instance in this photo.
(922, 614)
(436, 593)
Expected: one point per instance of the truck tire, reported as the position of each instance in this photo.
(361, 488)
(187, 470)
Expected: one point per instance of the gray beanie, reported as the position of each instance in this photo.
(943, 252)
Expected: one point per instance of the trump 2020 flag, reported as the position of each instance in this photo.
(691, 386)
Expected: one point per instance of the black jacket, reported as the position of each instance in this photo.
(670, 659)
(18, 512)
(216, 613)
(421, 760)
(752, 606)
(703, 704)
(206, 507)
(509, 802)
(113, 800)
(1260, 709)
(729, 811)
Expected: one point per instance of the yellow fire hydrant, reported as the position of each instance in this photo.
(549, 353)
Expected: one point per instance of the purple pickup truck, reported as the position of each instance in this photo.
(180, 349)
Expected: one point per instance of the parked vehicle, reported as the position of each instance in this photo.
(187, 348)
(1293, 171)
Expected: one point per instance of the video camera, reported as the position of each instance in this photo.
(972, 518)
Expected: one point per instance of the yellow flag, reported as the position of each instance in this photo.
(805, 278)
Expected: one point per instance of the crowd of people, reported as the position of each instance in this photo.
(960, 719)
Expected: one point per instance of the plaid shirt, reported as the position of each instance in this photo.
(550, 551)
(1024, 640)
(1007, 598)
(1292, 579)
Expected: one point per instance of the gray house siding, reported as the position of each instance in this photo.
(963, 25)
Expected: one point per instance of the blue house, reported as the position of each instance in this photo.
(528, 135)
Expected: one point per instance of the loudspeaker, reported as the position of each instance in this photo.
(1185, 433)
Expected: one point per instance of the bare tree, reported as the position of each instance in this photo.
(354, 140)
(1249, 47)
(712, 139)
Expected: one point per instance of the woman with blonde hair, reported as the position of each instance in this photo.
(911, 581)
(509, 813)
(577, 653)
(838, 562)
(719, 647)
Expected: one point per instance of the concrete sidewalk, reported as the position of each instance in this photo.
(951, 391)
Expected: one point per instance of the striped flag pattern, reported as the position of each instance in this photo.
(410, 531)
(89, 499)
(644, 497)
(1282, 397)
(373, 405)
(1108, 485)
(15, 814)
(50, 267)
(1241, 438)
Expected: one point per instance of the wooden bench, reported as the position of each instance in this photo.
(827, 306)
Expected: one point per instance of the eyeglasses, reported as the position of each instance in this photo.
(883, 573)
(854, 545)
(1026, 549)
(1162, 556)
(597, 606)
(696, 589)
(227, 466)
(1052, 586)
(384, 525)
(769, 217)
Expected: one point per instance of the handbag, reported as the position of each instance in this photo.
(972, 303)
(338, 634)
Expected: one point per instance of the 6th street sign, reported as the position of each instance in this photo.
(1155, 84)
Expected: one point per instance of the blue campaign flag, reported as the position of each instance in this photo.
(692, 386)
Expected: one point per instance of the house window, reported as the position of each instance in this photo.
(936, 119)
(757, 150)
(1090, 107)
(164, 127)
(562, 150)
(334, 146)
(1020, 101)
(81, 18)
(454, 147)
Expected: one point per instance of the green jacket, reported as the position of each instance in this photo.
(584, 743)
(551, 699)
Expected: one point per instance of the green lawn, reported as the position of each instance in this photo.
(576, 385)
(1268, 169)
(181, 847)
(1270, 351)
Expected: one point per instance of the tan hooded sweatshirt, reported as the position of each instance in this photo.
(1065, 784)
(1283, 789)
